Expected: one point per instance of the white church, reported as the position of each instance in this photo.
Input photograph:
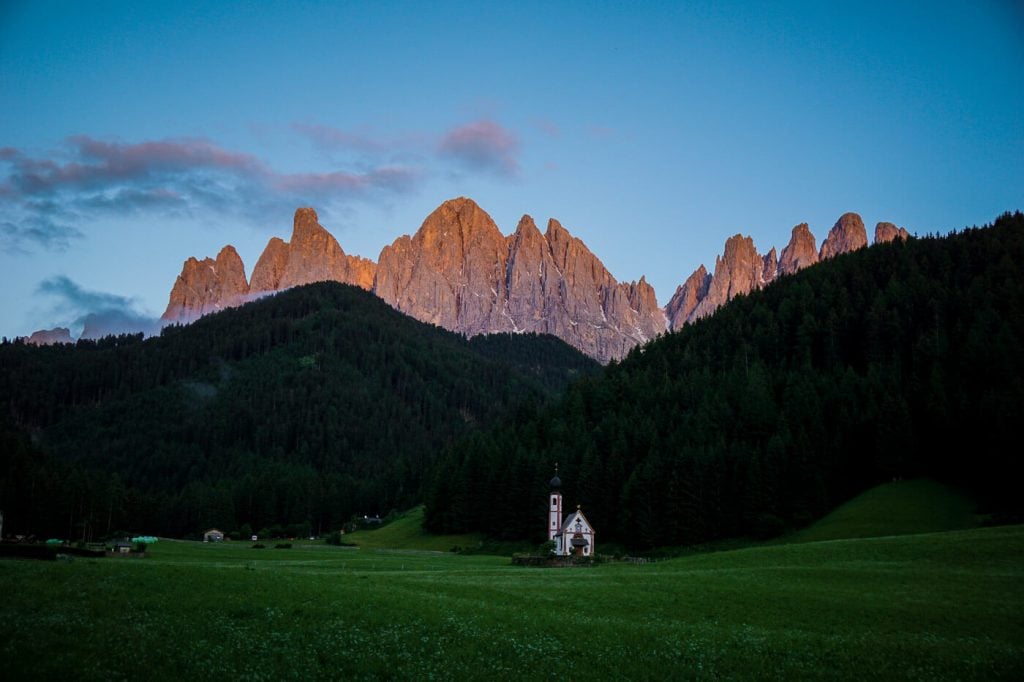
(573, 535)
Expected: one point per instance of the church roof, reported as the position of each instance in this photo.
(571, 517)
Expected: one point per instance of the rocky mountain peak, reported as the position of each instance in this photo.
(305, 222)
(801, 251)
(887, 232)
(313, 255)
(738, 271)
(451, 272)
(459, 272)
(769, 267)
(207, 286)
(848, 234)
(48, 337)
(269, 270)
(688, 295)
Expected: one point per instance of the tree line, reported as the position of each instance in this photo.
(297, 410)
(902, 359)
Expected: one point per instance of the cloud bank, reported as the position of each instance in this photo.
(43, 199)
(96, 313)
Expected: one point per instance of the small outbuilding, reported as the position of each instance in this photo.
(213, 535)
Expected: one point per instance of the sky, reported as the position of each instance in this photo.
(136, 134)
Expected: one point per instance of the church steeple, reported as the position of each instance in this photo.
(555, 506)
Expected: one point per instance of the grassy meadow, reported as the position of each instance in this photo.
(406, 532)
(897, 508)
(940, 605)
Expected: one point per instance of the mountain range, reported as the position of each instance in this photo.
(305, 407)
(459, 272)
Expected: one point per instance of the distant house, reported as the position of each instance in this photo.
(122, 547)
(213, 535)
(573, 534)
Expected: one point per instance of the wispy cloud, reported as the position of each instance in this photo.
(44, 198)
(96, 313)
(36, 230)
(548, 127)
(363, 140)
(394, 179)
(48, 200)
(483, 146)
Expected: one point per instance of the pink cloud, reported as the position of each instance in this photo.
(484, 146)
(96, 163)
(398, 179)
(327, 136)
(364, 141)
(42, 198)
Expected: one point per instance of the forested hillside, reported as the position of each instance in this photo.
(897, 360)
(297, 410)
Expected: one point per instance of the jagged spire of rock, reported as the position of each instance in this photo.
(688, 295)
(312, 255)
(887, 232)
(532, 281)
(848, 234)
(769, 268)
(207, 286)
(801, 251)
(737, 271)
(270, 267)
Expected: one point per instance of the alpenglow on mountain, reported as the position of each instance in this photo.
(458, 271)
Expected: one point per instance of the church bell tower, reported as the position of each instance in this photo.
(555, 506)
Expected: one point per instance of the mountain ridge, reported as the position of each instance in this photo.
(460, 272)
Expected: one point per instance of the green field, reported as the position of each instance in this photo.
(940, 605)
(406, 532)
(897, 508)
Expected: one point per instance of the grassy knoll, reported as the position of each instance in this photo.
(941, 605)
(897, 508)
(406, 532)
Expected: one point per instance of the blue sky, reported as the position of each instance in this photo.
(134, 135)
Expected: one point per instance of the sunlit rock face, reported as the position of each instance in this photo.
(801, 251)
(848, 234)
(458, 271)
(688, 295)
(739, 270)
(450, 273)
(887, 232)
(312, 255)
(207, 286)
